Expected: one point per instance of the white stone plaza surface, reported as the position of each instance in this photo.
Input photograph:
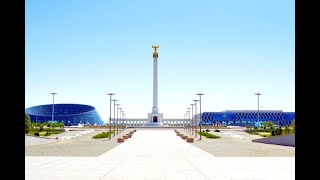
(159, 154)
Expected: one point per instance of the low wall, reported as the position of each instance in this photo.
(285, 140)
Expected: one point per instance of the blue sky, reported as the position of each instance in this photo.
(227, 50)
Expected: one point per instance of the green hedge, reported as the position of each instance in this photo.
(208, 135)
(258, 130)
(102, 135)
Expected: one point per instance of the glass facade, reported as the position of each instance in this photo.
(69, 114)
(246, 117)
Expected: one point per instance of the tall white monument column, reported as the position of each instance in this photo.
(155, 108)
(155, 118)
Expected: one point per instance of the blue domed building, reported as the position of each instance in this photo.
(69, 114)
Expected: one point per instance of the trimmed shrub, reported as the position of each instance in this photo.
(48, 134)
(268, 124)
(252, 132)
(208, 135)
(211, 136)
(102, 135)
(36, 134)
(217, 130)
(265, 135)
(278, 131)
(294, 125)
(286, 130)
(207, 130)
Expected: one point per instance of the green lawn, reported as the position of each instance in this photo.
(102, 135)
(208, 135)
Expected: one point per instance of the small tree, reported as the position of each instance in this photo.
(278, 131)
(294, 125)
(27, 122)
(61, 125)
(41, 127)
(268, 124)
(286, 130)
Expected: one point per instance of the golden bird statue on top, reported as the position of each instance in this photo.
(155, 53)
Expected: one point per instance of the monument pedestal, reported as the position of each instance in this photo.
(155, 119)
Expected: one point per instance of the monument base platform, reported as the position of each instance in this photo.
(155, 119)
(155, 124)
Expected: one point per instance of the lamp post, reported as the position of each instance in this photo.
(189, 118)
(53, 93)
(121, 118)
(200, 94)
(192, 118)
(187, 122)
(114, 116)
(117, 117)
(184, 121)
(125, 123)
(258, 94)
(110, 94)
(124, 117)
(195, 102)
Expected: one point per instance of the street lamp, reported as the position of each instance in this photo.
(189, 117)
(121, 118)
(184, 121)
(110, 94)
(192, 118)
(122, 114)
(200, 94)
(258, 94)
(114, 116)
(124, 118)
(53, 93)
(196, 119)
(117, 117)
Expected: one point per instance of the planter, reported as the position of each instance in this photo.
(125, 136)
(184, 137)
(120, 139)
(189, 139)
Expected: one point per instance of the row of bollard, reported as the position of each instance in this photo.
(127, 136)
(189, 139)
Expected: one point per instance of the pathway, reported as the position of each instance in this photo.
(159, 154)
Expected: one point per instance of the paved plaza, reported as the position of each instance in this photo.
(158, 154)
(72, 144)
(235, 142)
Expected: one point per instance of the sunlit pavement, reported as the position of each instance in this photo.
(159, 154)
